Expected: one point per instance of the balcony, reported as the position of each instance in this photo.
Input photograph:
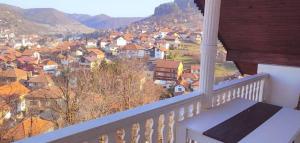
(159, 122)
(195, 116)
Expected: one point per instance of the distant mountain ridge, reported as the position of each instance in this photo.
(52, 21)
(103, 21)
(38, 21)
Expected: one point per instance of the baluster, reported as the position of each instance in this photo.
(135, 137)
(162, 131)
(188, 112)
(219, 100)
(234, 93)
(239, 92)
(247, 92)
(261, 93)
(121, 136)
(165, 127)
(257, 90)
(142, 131)
(224, 98)
(172, 120)
(254, 91)
(250, 96)
(242, 92)
(180, 114)
(195, 108)
(102, 138)
(229, 96)
(150, 130)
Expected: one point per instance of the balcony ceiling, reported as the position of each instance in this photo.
(260, 31)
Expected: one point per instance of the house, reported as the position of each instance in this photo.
(50, 66)
(12, 75)
(158, 53)
(93, 52)
(163, 33)
(162, 44)
(27, 63)
(40, 81)
(132, 51)
(103, 43)
(173, 41)
(43, 99)
(89, 62)
(195, 69)
(91, 44)
(29, 127)
(190, 77)
(67, 60)
(111, 49)
(128, 37)
(120, 41)
(168, 70)
(179, 90)
(14, 93)
(31, 53)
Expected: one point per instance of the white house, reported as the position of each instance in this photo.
(111, 49)
(158, 53)
(121, 41)
(179, 89)
(50, 66)
(91, 44)
(132, 51)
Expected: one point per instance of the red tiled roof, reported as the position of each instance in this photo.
(29, 127)
(167, 64)
(15, 73)
(132, 47)
(15, 88)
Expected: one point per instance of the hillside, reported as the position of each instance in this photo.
(38, 21)
(178, 13)
(103, 21)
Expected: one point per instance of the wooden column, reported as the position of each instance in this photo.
(209, 48)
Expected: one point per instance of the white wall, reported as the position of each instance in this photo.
(284, 84)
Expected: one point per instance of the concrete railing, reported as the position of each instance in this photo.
(251, 88)
(156, 122)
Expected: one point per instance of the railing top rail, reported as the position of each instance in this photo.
(238, 82)
(115, 120)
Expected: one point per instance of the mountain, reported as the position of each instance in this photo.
(103, 21)
(180, 13)
(38, 21)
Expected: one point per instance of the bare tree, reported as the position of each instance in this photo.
(109, 88)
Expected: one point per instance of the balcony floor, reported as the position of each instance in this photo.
(282, 127)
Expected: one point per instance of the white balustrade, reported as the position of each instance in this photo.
(156, 122)
(251, 88)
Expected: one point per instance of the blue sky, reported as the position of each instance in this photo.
(116, 8)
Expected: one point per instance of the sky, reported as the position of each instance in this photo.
(115, 8)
